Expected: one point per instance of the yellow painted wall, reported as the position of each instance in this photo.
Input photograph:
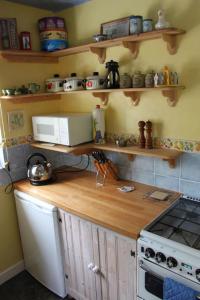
(16, 74)
(11, 75)
(175, 122)
(83, 21)
(10, 249)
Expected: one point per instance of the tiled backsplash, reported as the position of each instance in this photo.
(185, 177)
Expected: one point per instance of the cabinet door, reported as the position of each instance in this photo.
(111, 254)
(117, 263)
(78, 247)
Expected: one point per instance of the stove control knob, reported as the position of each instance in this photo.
(171, 262)
(198, 274)
(149, 253)
(160, 257)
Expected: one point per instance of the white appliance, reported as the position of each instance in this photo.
(170, 247)
(41, 242)
(65, 129)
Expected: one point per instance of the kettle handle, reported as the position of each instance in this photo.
(33, 155)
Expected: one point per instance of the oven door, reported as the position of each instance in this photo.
(151, 278)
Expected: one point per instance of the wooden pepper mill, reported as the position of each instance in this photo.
(142, 139)
(149, 142)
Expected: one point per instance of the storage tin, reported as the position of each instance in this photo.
(51, 23)
(136, 24)
(147, 25)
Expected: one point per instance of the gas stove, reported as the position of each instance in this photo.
(181, 223)
(170, 247)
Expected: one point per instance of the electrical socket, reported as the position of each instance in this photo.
(7, 165)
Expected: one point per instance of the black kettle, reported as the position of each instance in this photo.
(39, 171)
(112, 80)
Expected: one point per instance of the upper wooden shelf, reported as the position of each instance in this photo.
(170, 92)
(169, 155)
(99, 48)
(28, 56)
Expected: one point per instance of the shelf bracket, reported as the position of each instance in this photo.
(132, 46)
(100, 52)
(172, 96)
(131, 157)
(171, 41)
(171, 162)
(102, 96)
(135, 96)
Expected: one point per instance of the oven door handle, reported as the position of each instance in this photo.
(146, 269)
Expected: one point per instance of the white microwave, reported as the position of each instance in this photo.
(65, 129)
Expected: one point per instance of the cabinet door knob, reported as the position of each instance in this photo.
(95, 269)
(91, 266)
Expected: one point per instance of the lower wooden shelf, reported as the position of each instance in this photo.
(169, 155)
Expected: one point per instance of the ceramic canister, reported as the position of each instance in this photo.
(73, 83)
(54, 84)
(94, 82)
(149, 79)
(147, 25)
(125, 81)
(136, 24)
(138, 80)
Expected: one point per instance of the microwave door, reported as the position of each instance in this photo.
(46, 130)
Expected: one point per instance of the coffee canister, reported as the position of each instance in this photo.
(94, 82)
(147, 25)
(73, 83)
(136, 24)
(138, 80)
(125, 81)
(53, 34)
(54, 84)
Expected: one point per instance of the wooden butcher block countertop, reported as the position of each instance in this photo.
(77, 193)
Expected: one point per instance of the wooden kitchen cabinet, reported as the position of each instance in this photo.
(99, 264)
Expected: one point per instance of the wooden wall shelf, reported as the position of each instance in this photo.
(171, 93)
(132, 42)
(28, 56)
(29, 98)
(168, 155)
(134, 93)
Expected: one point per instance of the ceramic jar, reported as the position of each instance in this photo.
(33, 88)
(149, 79)
(73, 83)
(125, 81)
(138, 80)
(54, 85)
(147, 25)
(136, 24)
(94, 82)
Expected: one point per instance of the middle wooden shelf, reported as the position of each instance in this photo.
(170, 92)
